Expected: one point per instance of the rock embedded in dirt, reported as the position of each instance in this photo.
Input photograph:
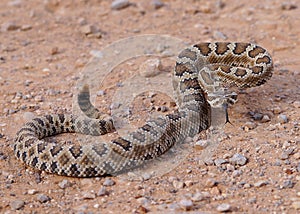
(238, 159)
(265, 119)
(198, 196)
(102, 192)
(64, 184)
(287, 184)
(220, 161)
(296, 205)
(186, 204)
(223, 207)
(150, 68)
(88, 195)
(288, 6)
(178, 184)
(17, 204)
(210, 182)
(296, 104)
(261, 183)
(249, 126)
(10, 26)
(257, 116)
(32, 191)
(282, 118)
(156, 4)
(43, 198)
(120, 4)
(108, 182)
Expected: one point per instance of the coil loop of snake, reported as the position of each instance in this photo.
(242, 64)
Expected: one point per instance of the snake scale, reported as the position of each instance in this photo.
(242, 64)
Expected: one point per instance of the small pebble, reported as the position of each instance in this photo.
(150, 68)
(277, 110)
(17, 204)
(215, 191)
(26, 27)
(198, 196)
(236, 173)
(10, 26)
(282, 118)
(211, 182)
(258, 116)
(54, 51)
(89, 29)
(265, 119)
(288, 6)
(100, 93)
(219, 35)
(28, 82)
(252, 200)
(220, 161)
(157, 4)
(238, 159)
(108, 182)
(188, 183)
(119, 4)
(296, 104)
(297, 155)
(223, 208)
(287, 184)
(284, 156)
(46, 70)
(38, 98)
(201, 144)
(28, 116)
(249, 126)
(261, 183)
(64, 184)
(88, 195)
(143, 200)
(247, 186)
(178, 184)
(96, 53)
(186, 204)
(296, 205)
(32, 191)
(102, 192)
(43, 198)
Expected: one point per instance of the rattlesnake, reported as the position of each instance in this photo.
(241, 64)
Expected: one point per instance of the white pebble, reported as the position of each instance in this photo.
(238, 159)
(223, 207)
(186, 204)
(119, 4)
(282, 118)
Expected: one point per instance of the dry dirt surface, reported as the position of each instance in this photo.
(44, 47)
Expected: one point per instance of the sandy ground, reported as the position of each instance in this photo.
(44, 47)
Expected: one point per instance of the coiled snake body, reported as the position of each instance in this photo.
(242, 64)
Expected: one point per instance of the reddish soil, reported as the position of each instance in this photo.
(44, 47)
